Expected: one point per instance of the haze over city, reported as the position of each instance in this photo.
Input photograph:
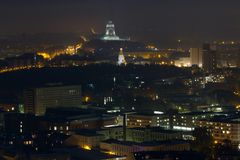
(162, 22)
(119, 80)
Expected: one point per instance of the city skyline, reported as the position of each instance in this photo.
(119, 79)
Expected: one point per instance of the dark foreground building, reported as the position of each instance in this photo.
(184, 155)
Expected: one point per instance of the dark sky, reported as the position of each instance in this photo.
(153, 20)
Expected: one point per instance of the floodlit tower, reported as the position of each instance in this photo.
(110, 33)
(110, 29)
(121, 58)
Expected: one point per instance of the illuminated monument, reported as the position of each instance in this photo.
(110, 34)
(121, 58)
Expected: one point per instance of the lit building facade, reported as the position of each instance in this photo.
(142, 120)
(183, 62)
(181, 122)
(84, 140)
(38, 99)
(196, 55)
(223, 129)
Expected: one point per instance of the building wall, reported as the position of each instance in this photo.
(209, 58)
(127, 149)
(223, 130)
(134, 121)
(196, 55)
(19, 123)
(185, 122)
(83, 141)
(29, 105)
(37, 100)
(112, 133)
(137, 135)
(92, 123)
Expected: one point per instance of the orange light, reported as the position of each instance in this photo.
(110, 153)
(87, 99)
(238, 107)
(87, 147)
(44, 54)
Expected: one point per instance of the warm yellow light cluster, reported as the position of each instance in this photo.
(237, 93)
(70, 50)
(152, 47)
(20, 68)
(87, 147)
(44, 54)
(73, 49)
(238, 107)
(111, 153)
(86, 99)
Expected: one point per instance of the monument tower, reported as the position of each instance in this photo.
(110, 34)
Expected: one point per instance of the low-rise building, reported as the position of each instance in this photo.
(112, 133)
(86, 139)
(142, 120)
(188, 121)
(125, 148)
(152, 134)
(181, 121)
(223, 128)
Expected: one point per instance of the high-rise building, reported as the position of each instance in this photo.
(196, 55)
(228, 54)
(209, 58)
(36, 100)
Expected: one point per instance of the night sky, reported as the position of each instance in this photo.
(149, 20)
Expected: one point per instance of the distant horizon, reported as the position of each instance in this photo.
(168, 43)
(152, 21)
